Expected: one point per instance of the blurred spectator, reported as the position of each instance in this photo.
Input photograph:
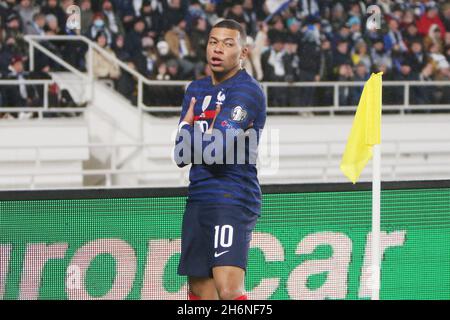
(273, 62)
(434, 36)
(361, 74)
(37, 25)
(53, 8)
(119, 49)
(86, 15)
(445, 16)
(380, 56)
(112, 20)
(98, 26)
(145, 61)
(133, 37)
(152, 18)
(103, 67)
(180, 46)
(393, 40)
(308, 8)
(342, 55)
(20, 95)
(325, 94)
(199, 37)
(441, 64)
(354, 23)
(360, 55)
(411, 34)
(173, 13)
(251, 20)
(26, 11)
(345, 73)
(429, 18)
(417, 57)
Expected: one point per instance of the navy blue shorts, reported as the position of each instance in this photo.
(214, 235)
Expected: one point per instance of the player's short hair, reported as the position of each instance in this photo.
(233, 25)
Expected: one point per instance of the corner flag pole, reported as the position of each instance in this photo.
(376, 202)
(364, 143)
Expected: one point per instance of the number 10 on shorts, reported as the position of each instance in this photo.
(225, 234)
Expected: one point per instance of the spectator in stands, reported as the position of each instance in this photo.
(361, 74)
(98, 26)
(53, 8)
(112, 20)
(6, 9)
(145, 61)
(19, 95)
(345, 73)
(133, 38)
(360, 55)
(411, 33)
(173, 13)
(445, 16)
(379, 55)
(152, 18)
(338, 16)
(26, 11)
(51, 26)
(273, 62)
(180, 46)
(434, 37)
(251, 20)
(7, 51)
(119, 49)
(292, 66)
(307, 8)
(430, 17)
(37, 25)
(86, 15)
(441, 64)
(309, 66)
(256, 50)
(354, 23)
(199, 37)
(341, 56)
(326, 73)
(103, 68)
(417, 57)
(393, 40)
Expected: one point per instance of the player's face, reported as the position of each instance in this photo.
(224, 50)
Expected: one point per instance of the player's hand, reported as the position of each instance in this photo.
(189, 117)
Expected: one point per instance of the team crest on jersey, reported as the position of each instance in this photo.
(238, 114)
(220, 97)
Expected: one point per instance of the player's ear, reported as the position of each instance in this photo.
(244, 53)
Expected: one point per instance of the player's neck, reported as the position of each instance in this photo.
(218, 78)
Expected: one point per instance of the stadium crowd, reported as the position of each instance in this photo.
(309, 40)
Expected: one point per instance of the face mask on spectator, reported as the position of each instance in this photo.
(99, 23)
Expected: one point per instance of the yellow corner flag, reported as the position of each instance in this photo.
(365, 130)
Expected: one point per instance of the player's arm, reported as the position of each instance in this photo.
(229, 127)
(187, 105)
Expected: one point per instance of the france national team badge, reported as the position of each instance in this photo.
(238, 114)
(220, 98)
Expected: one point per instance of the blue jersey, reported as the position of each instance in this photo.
(242, 108)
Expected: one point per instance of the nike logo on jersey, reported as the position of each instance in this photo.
(216, 255)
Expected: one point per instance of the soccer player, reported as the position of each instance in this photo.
(224, 197)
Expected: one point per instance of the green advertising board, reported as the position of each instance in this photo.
(312, 242)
